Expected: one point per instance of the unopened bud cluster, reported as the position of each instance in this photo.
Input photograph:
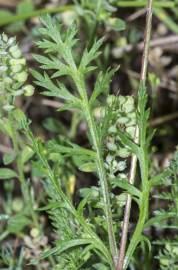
(13, 73)
(124, 120)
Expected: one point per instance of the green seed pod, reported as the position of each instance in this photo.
(123, 152)
(22, 76)
(28, 90)
(15, 52)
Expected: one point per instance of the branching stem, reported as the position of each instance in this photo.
(143, 212)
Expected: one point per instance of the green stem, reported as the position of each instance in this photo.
(139, 227)
(141, 3)
(80, 84)
(103, 181)
(35, 13)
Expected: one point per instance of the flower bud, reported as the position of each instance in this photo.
(122, 120)
(121, 165)
(21, 77)
(28, 90)
(15, 52)
(20, 61)
(131, 131)
(8, 107)
(123, 152)
(16, 68)
(111, 146)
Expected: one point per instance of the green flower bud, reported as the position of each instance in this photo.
(128, 105)
(8, 107)
(15, 52)
(34, 232)
(122, 120)
(131, 131)
(164, 262)
(17, 204)
(4, 37)
(112, 129)
(16, 68)
(121, 165)
(122, 100)
(8, 80)
(28, 90)
(18, 93)
(123, 152)
(123, 176)
(22, 76)
(110, 99)
(109, 159)
(20, 61)
(3, 69)
(111, 146)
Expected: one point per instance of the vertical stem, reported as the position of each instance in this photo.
(134, 158)
(103, 182)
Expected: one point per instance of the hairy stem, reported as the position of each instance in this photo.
(80, 84)
(103, 182)
(143, 211)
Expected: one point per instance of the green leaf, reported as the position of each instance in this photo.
(71, 150)
(132, 190)
(17, 223)
(126, 141)
(102, 84)
(157, 219)
(7, 174)
(63, 247)
(8, 158)
(160, 178)
(116, 24)
(145, 239)
(52, 62)
(89, 56)
(5, 127)
(26, 154)
(53, 90)
(88, 167)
